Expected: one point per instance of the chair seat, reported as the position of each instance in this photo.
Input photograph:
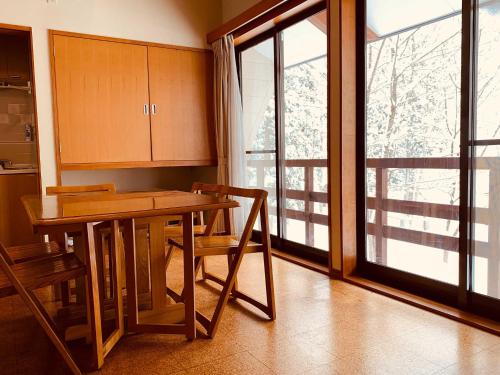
(43, 272)
(34, 251)
(216, 245)
(176, 231)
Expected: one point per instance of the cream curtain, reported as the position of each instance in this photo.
(229, 122)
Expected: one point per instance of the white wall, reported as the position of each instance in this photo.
(181, 22)
(233, 8)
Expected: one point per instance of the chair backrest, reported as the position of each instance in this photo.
(259, 205)
(198, 188)
(80, 189)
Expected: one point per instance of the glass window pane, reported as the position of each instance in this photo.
(257, 81)
(305, 131)
(413, 72)
(257, 86)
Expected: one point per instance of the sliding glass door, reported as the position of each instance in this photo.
(430, 130)
(412, 139)
(283, 76)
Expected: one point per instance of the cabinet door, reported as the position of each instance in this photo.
(180, 83)
(14, 59)
(102, 88)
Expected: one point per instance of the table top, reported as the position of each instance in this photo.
(46, 210)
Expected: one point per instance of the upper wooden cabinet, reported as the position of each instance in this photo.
(102, 90)
(124, 104)
(180, 86)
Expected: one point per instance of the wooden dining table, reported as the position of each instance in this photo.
(70, 213)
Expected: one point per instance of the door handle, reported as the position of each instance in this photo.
(146, 109)
(153, 109)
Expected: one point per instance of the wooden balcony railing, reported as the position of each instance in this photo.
(308, 195)
(382, 205)
(489, 216)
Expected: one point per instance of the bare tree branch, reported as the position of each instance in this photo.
(374, 71)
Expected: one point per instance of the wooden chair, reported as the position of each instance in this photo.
(235, 249)
(25, 277)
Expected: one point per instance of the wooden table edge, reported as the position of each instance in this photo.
(122, 215)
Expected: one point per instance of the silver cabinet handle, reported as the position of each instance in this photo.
(153, 109)
(146, 109)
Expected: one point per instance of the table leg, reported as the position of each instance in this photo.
(80, 251)
(60, 292)
(131, 276)
(158, 276)
(92, 294)
(189, 298)
(142, 258)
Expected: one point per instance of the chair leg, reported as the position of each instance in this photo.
(203, 268)
(168, 256)
(268, 268)
(268, 272)
(198, 264)
(230, 259)
(226, 291)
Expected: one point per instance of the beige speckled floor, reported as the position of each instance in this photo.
(323, 327)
